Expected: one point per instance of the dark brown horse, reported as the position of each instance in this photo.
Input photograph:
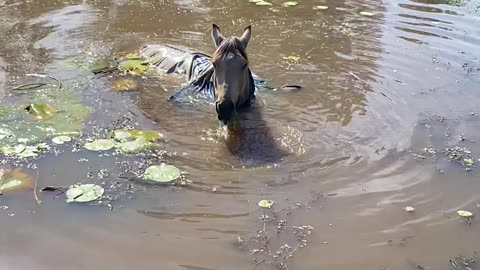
(232, 78)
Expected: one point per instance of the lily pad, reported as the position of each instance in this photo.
(14, 179)
(22, 150)
(101, 65)
(125, 85)
(367, 13)
(84, 193)
(410, 209)
(100, 145)
(263, 3)
(320, 8)
(266, 203)
(162, 173)
(464, 213)
(124, 135)
(61, 139)
(136, 145)
(135, 66)
(41, 111)
(290, 4)
(133, 56)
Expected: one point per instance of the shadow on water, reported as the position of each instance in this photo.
(253, 144)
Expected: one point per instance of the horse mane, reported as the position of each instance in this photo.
(230, 45)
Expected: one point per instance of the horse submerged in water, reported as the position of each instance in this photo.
(224, 78)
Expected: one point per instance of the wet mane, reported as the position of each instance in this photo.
(230, 45)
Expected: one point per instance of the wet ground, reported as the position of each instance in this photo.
(383, 97)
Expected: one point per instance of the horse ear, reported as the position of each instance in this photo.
(216, 35)
(245, 38)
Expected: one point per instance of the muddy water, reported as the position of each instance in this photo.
(377, 90)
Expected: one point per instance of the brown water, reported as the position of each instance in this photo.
(376, 91)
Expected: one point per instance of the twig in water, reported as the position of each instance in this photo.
(59, 85)
(35, 191)
(258, 263)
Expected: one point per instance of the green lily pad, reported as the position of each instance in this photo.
(266, 203)
(320, 8)
(367, 13)
(101, 65)
(14, 179)
(263, 3)
(84, 193)
(133, 56)
(61, 139)
(100, 145)
(290, 4)
(22, 150)
(41, 112)
(464, 213)
(125, 84)
(124, 135)
(136, 145)
(135, 66)
(162, 173)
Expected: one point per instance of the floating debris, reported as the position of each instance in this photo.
(290, 4)
(320, 8)
(125, 84)
(410, 209)
(292, 59)
(266, 203)
(367, 13)
(465, 214)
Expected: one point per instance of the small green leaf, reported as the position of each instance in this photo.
(100, 145)
(124, 135)
(263, 3)
(133, 56)
(265, 203)
(136, 145)
(464, 213)
(61, 139)
(135, 66)
(162, 173)
(84, 193)
(290, 4)
(40, 111)
(292, 59)
(367, 13)
(320, 8)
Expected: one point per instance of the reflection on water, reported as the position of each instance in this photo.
(356, 131)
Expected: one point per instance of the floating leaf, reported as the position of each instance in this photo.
(290, 4)
(265, 203)
(162, 173)
(41, 111)
(100, 66)
(125, 85)
(22, 150)
(320, 8)
(464, 213)
(410, 209)
(84, 193)
(61, 139)
(124, 135)
(14, 179)
(367, 13)
(292, 59)
(133, 56)
(29, 86)
(468, 162)
(137, 145)
(263, 3)
(135, 66)
(100, 145)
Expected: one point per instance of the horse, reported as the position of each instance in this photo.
(225, 78)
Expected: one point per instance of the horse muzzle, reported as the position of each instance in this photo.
(225, 111)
